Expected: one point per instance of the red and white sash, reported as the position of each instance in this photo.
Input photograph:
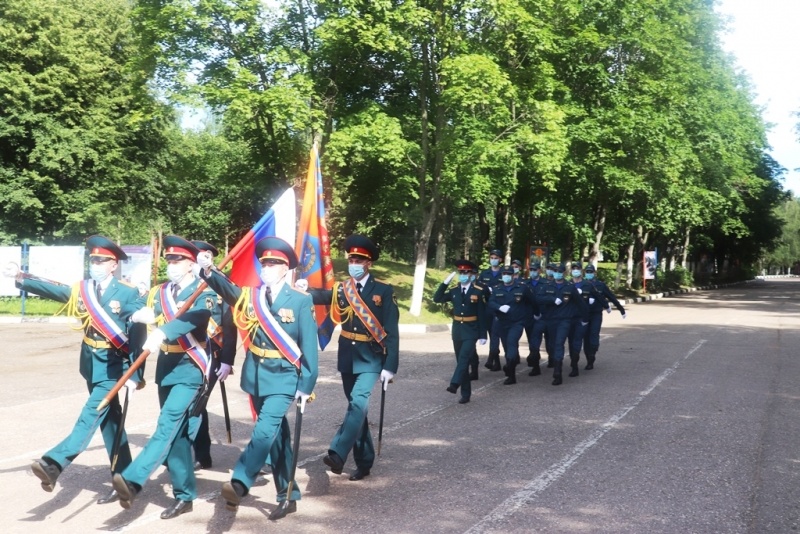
(188, 342)
(280, 337)
(100, 319)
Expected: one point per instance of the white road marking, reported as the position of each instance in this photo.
(494, 520)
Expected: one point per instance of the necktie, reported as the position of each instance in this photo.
(464, 291)
(268, 295)
(98, 290)
(175, 291)
(358, 284)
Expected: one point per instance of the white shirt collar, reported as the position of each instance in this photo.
(363, 281)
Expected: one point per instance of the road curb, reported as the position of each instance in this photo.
(424, 328)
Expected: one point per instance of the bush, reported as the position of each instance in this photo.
(677, 278)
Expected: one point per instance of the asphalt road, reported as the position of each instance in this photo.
(690, 423)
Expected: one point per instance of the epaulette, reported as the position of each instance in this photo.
(478, 286)
(124, 283)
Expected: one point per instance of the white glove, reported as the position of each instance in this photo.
(482, 341)
(624, 315)
(386, 376)
(301, 399)
(580, 291)
(223, 371)
(154, 341)
(301, 285)
(591, 300)
(608, 310)
(558, 301)
(144, 315)
(205, 260)
(450, 278)
(537, 317)
(584, 324)
(11, 270)
(130, 387)
(196, 270)
(504, 308)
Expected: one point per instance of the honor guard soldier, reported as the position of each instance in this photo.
(512, 302)
(535, 326)
(222, 337)
(490, 278)
(469, 323)
(559, 301)
(369, 345)
(280, 366)
(103, 305)
(602, 301)
(180, 345)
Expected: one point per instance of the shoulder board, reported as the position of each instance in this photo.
(478, 287)
(124, 283)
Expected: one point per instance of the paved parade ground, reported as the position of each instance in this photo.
(689, 422)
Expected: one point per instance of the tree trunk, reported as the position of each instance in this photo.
(599, 229)
(441, 239)
(483, 229)
(685, 251)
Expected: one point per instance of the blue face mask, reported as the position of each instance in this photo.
(589, 276)
(463, 278)
(516, 270)
(558, 276)
(472, 277)
(507, 278)
(576, 273)
(356, 270)
(534, 274)
(494, 263)
(549, 272)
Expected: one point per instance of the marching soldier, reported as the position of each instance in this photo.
(580, 320)
(535, 326)
(280, 366)
(602, 301)
(183, 362)
(512, 302)
(222, 346)
(490, 278)
(559, 301)
(103, 304)
(369, 346)
(469, 323)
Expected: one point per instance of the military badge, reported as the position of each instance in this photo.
(81, 305)
(286, 315)
(376, 299)
(114, 305)
(219, 300)
(473, 298)
(210, 303)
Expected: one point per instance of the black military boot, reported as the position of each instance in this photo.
(550, 362)
(533, 363)
(557, 373)
(511, 373)
(473, 367)
(589, 361)
(494, 358)
(573, 363)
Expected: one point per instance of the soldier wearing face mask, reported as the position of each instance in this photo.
(491, 278)
(469, 323)
(280, 365)
(602, 300)
(560, 302)
(369, 346)
(183, 361)
(535, 325)
(512, 303)
(103, 305)
(577, 329)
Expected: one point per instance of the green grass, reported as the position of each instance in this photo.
(33, 306)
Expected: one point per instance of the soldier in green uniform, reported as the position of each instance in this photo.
(180, 345)
(280, 366)
(369, 345)
(469, 323)
(222, 346)
(102, 304)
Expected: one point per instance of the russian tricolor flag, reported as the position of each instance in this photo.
(280, 221)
